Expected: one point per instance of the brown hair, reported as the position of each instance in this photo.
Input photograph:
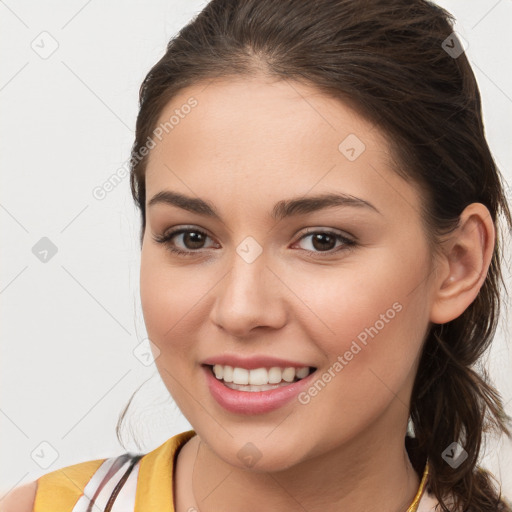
(389, 60)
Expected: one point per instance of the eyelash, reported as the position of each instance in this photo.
(165, 239)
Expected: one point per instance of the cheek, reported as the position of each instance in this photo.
(373, 317)
(173, 304)
(163, 298)
(370, 334)
(168, 297)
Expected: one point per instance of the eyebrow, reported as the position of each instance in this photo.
(282, 209)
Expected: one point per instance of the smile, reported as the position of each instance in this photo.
(258, 390)
(258, 379)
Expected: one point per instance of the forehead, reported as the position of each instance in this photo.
(258, 111)
(268, 138)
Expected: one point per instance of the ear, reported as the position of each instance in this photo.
(463, 266)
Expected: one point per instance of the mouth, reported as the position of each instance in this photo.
(258, 379)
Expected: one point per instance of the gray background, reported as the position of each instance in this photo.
(72, 336)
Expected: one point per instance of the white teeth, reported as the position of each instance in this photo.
(289, 374)
(265, 387)
(302, 372)
(274, 375)
(258, 376)
(227, 373)
(240, 376)
(219, 371)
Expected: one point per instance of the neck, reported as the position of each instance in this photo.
(371, 473)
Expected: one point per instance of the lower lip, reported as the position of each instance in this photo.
(253, 402)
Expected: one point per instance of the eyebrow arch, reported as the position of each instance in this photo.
(282, 209)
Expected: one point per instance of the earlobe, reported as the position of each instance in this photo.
(465, 262)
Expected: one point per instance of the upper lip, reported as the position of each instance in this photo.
(250, 363)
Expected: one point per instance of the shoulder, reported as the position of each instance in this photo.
(62, 486)
(20, 499)
(63, 489)
(59, 490)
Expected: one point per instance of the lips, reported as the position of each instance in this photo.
(253, 402)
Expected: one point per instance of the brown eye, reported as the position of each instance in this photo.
(191, 239)
(325, 242)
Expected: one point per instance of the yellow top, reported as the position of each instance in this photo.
(61, 490)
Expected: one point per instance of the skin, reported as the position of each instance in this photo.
(249, 143)
(20, 499)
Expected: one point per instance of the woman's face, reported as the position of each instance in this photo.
(271, 279)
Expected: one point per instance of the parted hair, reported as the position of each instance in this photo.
(396, 63)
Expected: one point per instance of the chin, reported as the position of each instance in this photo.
(258, 456)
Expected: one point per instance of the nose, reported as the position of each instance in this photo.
(250, 295)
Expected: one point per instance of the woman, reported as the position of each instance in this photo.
(320, 266)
